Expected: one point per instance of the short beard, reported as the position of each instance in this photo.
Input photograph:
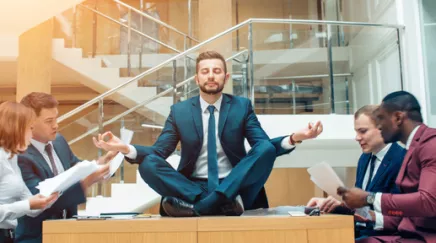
(211, 92)
(393, 138)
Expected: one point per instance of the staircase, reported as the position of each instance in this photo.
(102, 79)
(127, 197)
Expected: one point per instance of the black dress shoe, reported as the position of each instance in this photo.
(233, 208)
(175, 207)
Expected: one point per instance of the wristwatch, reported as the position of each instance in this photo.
(293, 142)
(370, 198)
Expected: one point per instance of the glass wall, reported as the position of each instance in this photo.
(428, 21)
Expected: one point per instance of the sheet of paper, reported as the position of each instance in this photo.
(67, 178)
(364, 212)
(126, 137)
(324, 177)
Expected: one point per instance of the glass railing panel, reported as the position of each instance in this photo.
(240, 73)
(289, 64)
(165, 21)
(342, 95)
(365, 68)
(75, 127)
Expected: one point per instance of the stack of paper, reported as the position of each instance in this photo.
(68, 178)
(126, 137)
(324, 177)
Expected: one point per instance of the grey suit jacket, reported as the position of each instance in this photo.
(34, 169)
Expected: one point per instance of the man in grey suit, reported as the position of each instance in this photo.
(49, 155)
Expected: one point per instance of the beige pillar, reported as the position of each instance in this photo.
(35, 60)
(215, 17)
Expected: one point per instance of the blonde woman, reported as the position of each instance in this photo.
(15, 198)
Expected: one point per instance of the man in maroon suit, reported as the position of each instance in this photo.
(413, 212)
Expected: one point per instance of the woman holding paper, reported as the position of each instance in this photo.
(15, 199)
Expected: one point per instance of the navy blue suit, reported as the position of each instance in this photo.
(383, 180)
(237, 122)
(34, 169)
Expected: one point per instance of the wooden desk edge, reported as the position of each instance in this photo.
(202, 224)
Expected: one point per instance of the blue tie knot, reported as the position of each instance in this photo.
(211, 109)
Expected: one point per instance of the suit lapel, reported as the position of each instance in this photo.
(196, 116)
(65, 161)
(224, 112)
(409, 153)
(406, 161)
(40, 160)
(362, 170)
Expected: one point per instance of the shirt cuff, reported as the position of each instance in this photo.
(132, 152)
(285, 143)
(378, 212)
(20, 208)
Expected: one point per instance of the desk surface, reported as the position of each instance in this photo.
(326, 228)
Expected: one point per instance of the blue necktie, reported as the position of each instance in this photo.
(371, 170)
(212, 158)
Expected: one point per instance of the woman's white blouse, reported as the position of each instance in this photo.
(14, 193)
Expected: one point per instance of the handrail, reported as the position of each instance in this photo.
(165, 92)
(126, 26)
(155, 20)
(198, 46)
(304, 21)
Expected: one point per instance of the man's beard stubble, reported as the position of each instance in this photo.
(211, 92)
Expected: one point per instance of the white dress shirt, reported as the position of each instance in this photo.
(41, 148)
(379, 222)
(379, 158)
(224, 165)
(14, 193)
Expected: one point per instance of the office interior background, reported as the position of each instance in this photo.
(123, 63)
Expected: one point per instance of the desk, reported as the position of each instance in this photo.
(277, 229)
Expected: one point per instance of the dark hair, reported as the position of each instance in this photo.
(38, 100)
(403, 101)
(368, 110)
(210, 55)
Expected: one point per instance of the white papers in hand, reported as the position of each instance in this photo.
(67, 178)
(126, 137)
(324, 177)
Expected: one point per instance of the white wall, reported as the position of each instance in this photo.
(375, 60)
(408, 15)
(428, 30)
(17, 16)
(8, 47)
(335, 145)
(378, 70)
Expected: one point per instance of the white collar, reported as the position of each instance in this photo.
(410, 138)
(4, 154)
(382, 153)
(204, 104)
(39, 145)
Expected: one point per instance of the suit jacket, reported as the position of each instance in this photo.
(34, 169)
(414, 210)
(384, 178)
(237, 121)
